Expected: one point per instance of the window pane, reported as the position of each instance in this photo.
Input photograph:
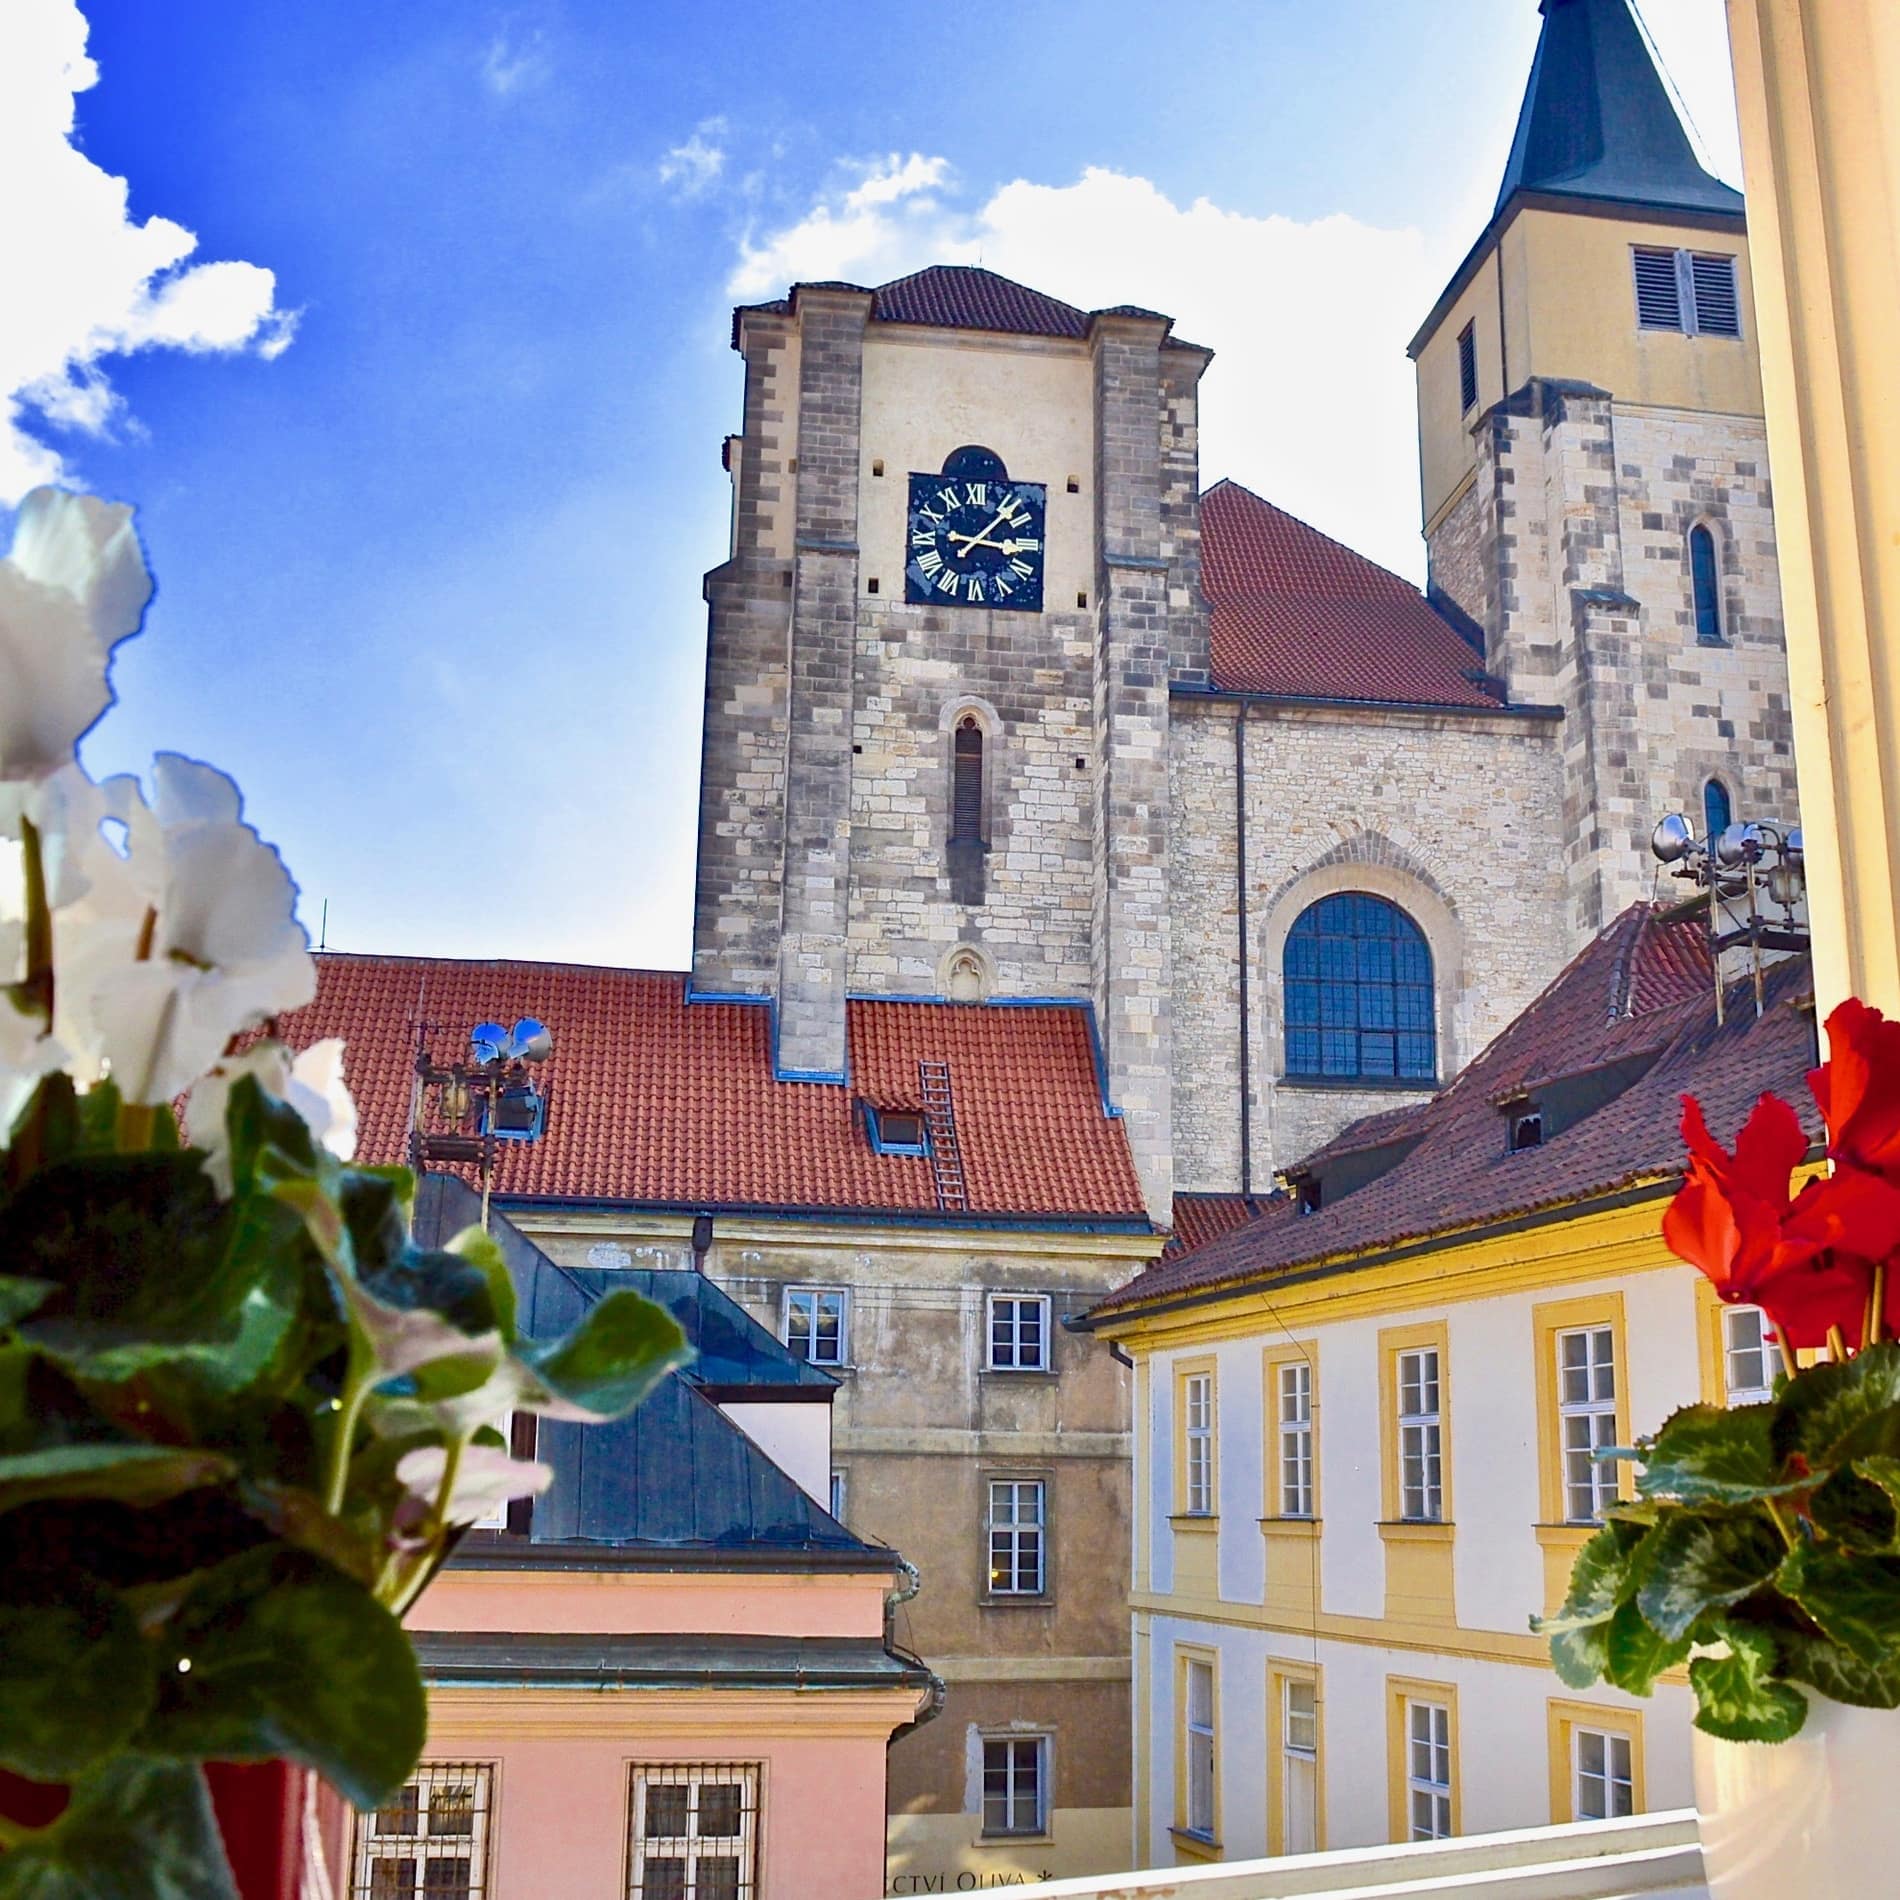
(663, 1880)
(666, 1811)
(1372, 997)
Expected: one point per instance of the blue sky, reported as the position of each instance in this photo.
(427, 461)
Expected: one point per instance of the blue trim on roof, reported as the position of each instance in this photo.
(842, 1216)
(874, 1132)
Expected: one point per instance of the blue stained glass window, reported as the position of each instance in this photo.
(1708, 596)
(1717, 813)
(1359, 993)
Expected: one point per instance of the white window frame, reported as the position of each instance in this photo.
(1586, 1420)
(814, 1298)
(1017, 1525)
(1016, 1751)
(1746, 1392)
(1421, 1424)
(1428, 1770)
(1606, 1780)
(837, 1499)
(692, 1847)
(1197, 1427)
(380, 1847)
(1301, 1756)
(1022, 1303)
(1199, 1797)
(1293, 1404)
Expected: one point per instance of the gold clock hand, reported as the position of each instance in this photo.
(980, 540)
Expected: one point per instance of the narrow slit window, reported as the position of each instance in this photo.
(1718, 812)
(1197, 1809)
(1299, 1748)
(1468, 366)
(1707, 585)
(966, 792)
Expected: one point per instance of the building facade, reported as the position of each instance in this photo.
(1364, 1422)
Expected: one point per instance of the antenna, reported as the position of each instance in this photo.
(323, 929)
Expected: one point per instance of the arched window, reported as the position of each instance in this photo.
(1708, 593)
(966, 789)
(1717, 810)
(1359, 992)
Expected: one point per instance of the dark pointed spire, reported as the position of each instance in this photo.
(1596, 122)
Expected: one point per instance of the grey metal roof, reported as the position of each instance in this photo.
(563, 1660)
(1597, 123)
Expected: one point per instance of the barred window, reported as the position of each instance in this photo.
(693, 1831)
(1017, 1511)
(1359, 992)
(431, 1841)
(1019, 1332)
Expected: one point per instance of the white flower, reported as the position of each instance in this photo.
(485, 1479)
(312, 1083)
(74, 586)
(218, 951)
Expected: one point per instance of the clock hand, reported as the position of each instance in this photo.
(980, 540)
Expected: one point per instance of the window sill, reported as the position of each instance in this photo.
(1019, 1600)
(1022, 1372)
(1415, 1530)
(1562, 1536)
(1304, 1529)
(1198, 1521)
(1004, 1837)
(1196, 1846)
(1370, 1084)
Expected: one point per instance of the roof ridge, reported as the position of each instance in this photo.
(1332, 540)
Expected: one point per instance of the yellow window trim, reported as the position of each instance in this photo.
(1564, 1718)
(1547, 1321)
(1394, 1340)
(1184, 1370)
(1399, 1690)
(1196, 1844)
(1287, 1353)
(1279, 1674)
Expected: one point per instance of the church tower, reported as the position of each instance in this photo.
(1595, 463)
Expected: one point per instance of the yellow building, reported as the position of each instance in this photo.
(1364, 1423)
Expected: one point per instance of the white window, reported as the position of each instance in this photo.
(1747, 1367)
(1586, 1407)
(1296, 1439)
(1197, 1815)
(1299, 1752)
(693, 1831)
(837, 1495)
(1015, 1785)
(1019, 1332)
(1016, 1537)
(1602, 1783)
(431, 1842)
(814, 1323)
(1421, 1438)
(1428, 1770)
(1197, 1410)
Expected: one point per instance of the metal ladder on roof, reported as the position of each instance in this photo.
(940, 1117)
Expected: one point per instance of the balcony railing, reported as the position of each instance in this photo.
(1648, 1854)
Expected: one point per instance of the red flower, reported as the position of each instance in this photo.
(1806, 1261)
(1858, 1089)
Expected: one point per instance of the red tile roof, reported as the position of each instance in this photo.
(1294, 612)
(1641, 990)
(660, 1102)
(1199, 1218)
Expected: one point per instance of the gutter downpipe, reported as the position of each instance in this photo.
(1240, 897)
(910, 1581)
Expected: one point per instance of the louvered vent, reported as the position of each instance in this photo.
(1467, 366)
(1658, 297)
(1718, 310)
(966, 791)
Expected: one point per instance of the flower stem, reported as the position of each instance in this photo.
(1837, 1345)
(1876, 1302)
(356, 1390)
(1789, 1363)
(39, 920)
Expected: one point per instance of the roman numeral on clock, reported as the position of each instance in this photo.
(930, 560)
(975, 589)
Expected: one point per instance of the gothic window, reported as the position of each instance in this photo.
(1708, 593)
(1359, 993)
(1717, 810)
(966, 788)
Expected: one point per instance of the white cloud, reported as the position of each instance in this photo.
(693, 166)
(1310, 398)
(515, 58)
(86, 281)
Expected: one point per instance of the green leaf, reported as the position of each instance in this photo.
(1737, 1696)
(131, 1474)
(1581, 1656)
(20, 1296)
(1691, 1564)
(1635, 1655)
(1835, 1412)
(1838, 1672)
(1600, 1579)
(1859, 1514)
(75, 1675)
(483, 1251)
(1884, 1472)
(298, 1517)
(136, 1830)
(1853, 1597)
(1706, 1454)
(269, 1141)
(622, 1348)
(289, 1657)
(376, 1220)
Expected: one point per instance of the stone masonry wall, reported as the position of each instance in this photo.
(1457, 819)
(1457, 553)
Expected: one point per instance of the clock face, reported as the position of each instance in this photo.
(976, 537)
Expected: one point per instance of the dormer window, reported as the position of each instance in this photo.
(1306, 1189)
(896, 1131)
(1527, 1130)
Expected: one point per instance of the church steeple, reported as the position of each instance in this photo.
(1596, 122)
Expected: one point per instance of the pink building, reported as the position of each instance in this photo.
(673, 1678)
